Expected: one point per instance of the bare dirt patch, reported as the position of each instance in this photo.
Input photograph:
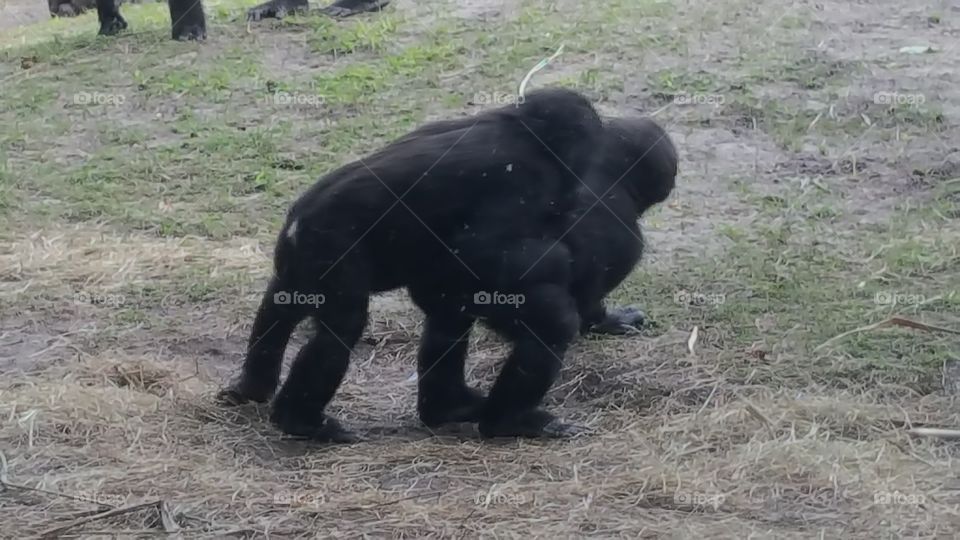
(14, 13)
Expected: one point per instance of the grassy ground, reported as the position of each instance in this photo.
(142, 182)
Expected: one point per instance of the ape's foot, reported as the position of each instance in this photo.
(298, 422)
(618, 321)
(112, 26)
(535, 423)
(190, 32)
(242, 391)
(276, 9)
(447, 408)
(346, 8)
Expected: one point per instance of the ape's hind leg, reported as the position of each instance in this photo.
(276, 319)
(187, 19)
(542, 328)
(524, 294)
(110, 20)
(443, 395)
(318, 370)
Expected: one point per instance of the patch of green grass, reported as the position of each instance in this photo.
(232, 69)
(374, 35)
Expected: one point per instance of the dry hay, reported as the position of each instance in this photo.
(121, 431)
(675, 450)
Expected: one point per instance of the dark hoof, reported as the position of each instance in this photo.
(195, 32)
(240, 392)
(113, 26)
(466, 407)
(620, 321)
(320, 428)
(531, 424)
(275, 10)
(347, 8)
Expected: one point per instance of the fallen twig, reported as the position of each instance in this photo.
(940, 433)
(892, 321)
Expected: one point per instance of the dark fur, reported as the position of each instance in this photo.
(482, 204)
(187, 20)
(637, 170)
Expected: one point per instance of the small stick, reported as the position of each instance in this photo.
(940, 433)
(540, 65)
(895, 321)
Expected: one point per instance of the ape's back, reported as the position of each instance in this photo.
(507, 172)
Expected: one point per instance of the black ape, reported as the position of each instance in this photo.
(188, 22)
(457, 212)
(637, 170)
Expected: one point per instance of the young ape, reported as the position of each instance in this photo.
(188, 22)
(451, 210)
(637, 170)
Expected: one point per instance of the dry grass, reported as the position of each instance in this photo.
(677, 447)
(726, 461)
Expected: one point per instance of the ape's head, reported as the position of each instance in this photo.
(639, 155)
